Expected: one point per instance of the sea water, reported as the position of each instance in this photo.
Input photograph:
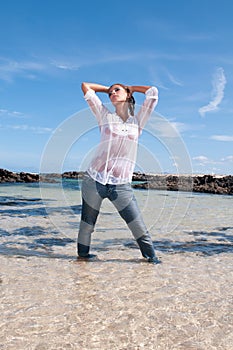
(43, 219)
(50, 300)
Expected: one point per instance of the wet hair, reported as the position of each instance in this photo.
(130, 99)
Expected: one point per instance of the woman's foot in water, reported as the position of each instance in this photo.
(87, 257)
(154, 260)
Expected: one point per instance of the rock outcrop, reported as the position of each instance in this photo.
(73, 175)
(9, 176)
(216, 184)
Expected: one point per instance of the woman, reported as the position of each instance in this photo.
(110, 172)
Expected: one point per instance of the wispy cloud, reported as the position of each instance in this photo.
(208, 164)
(202, 159)
(24, 127)
(65, 65)
(165, 128)
(227, 159)
(213, 166)
(13, 114)
(226, 138)
(10, 68)
(31, 69)
(219, 82)
(173, 79)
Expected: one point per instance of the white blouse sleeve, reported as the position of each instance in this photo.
(96, 105)
(148, 106)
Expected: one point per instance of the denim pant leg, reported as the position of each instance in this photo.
(91, 202)
(125, 202)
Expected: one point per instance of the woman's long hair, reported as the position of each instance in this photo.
(130, 99)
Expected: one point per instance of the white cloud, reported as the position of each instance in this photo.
(166, 128)
(226, 138)
(65, 66)
(180, 127)
(35, 129)
(174, 80)
(202, 164)
(208, 165)
(227, 159)
(7, 113)
(10, 68)
(202, 159)
(219, 82)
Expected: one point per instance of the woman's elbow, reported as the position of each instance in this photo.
(84, 87)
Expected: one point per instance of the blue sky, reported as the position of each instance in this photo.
(184, 48)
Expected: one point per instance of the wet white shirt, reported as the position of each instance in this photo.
(115, 157)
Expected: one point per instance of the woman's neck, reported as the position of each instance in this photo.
(122, 111)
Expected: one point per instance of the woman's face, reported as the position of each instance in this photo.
(117, 94)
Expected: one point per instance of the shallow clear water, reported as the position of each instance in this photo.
(178, 221)
(49, 300)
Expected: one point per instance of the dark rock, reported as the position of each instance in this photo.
(73, 174)
(215, 184)
(9, 176)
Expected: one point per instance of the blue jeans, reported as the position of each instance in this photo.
(122, 197)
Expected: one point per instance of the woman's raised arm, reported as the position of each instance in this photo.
(139, 88)
(95, 87)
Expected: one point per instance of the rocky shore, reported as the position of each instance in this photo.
(9, 176)
(216, 184)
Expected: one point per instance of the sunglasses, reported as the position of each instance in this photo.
(114, 90)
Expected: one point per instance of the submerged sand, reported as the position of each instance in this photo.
(49, 300)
